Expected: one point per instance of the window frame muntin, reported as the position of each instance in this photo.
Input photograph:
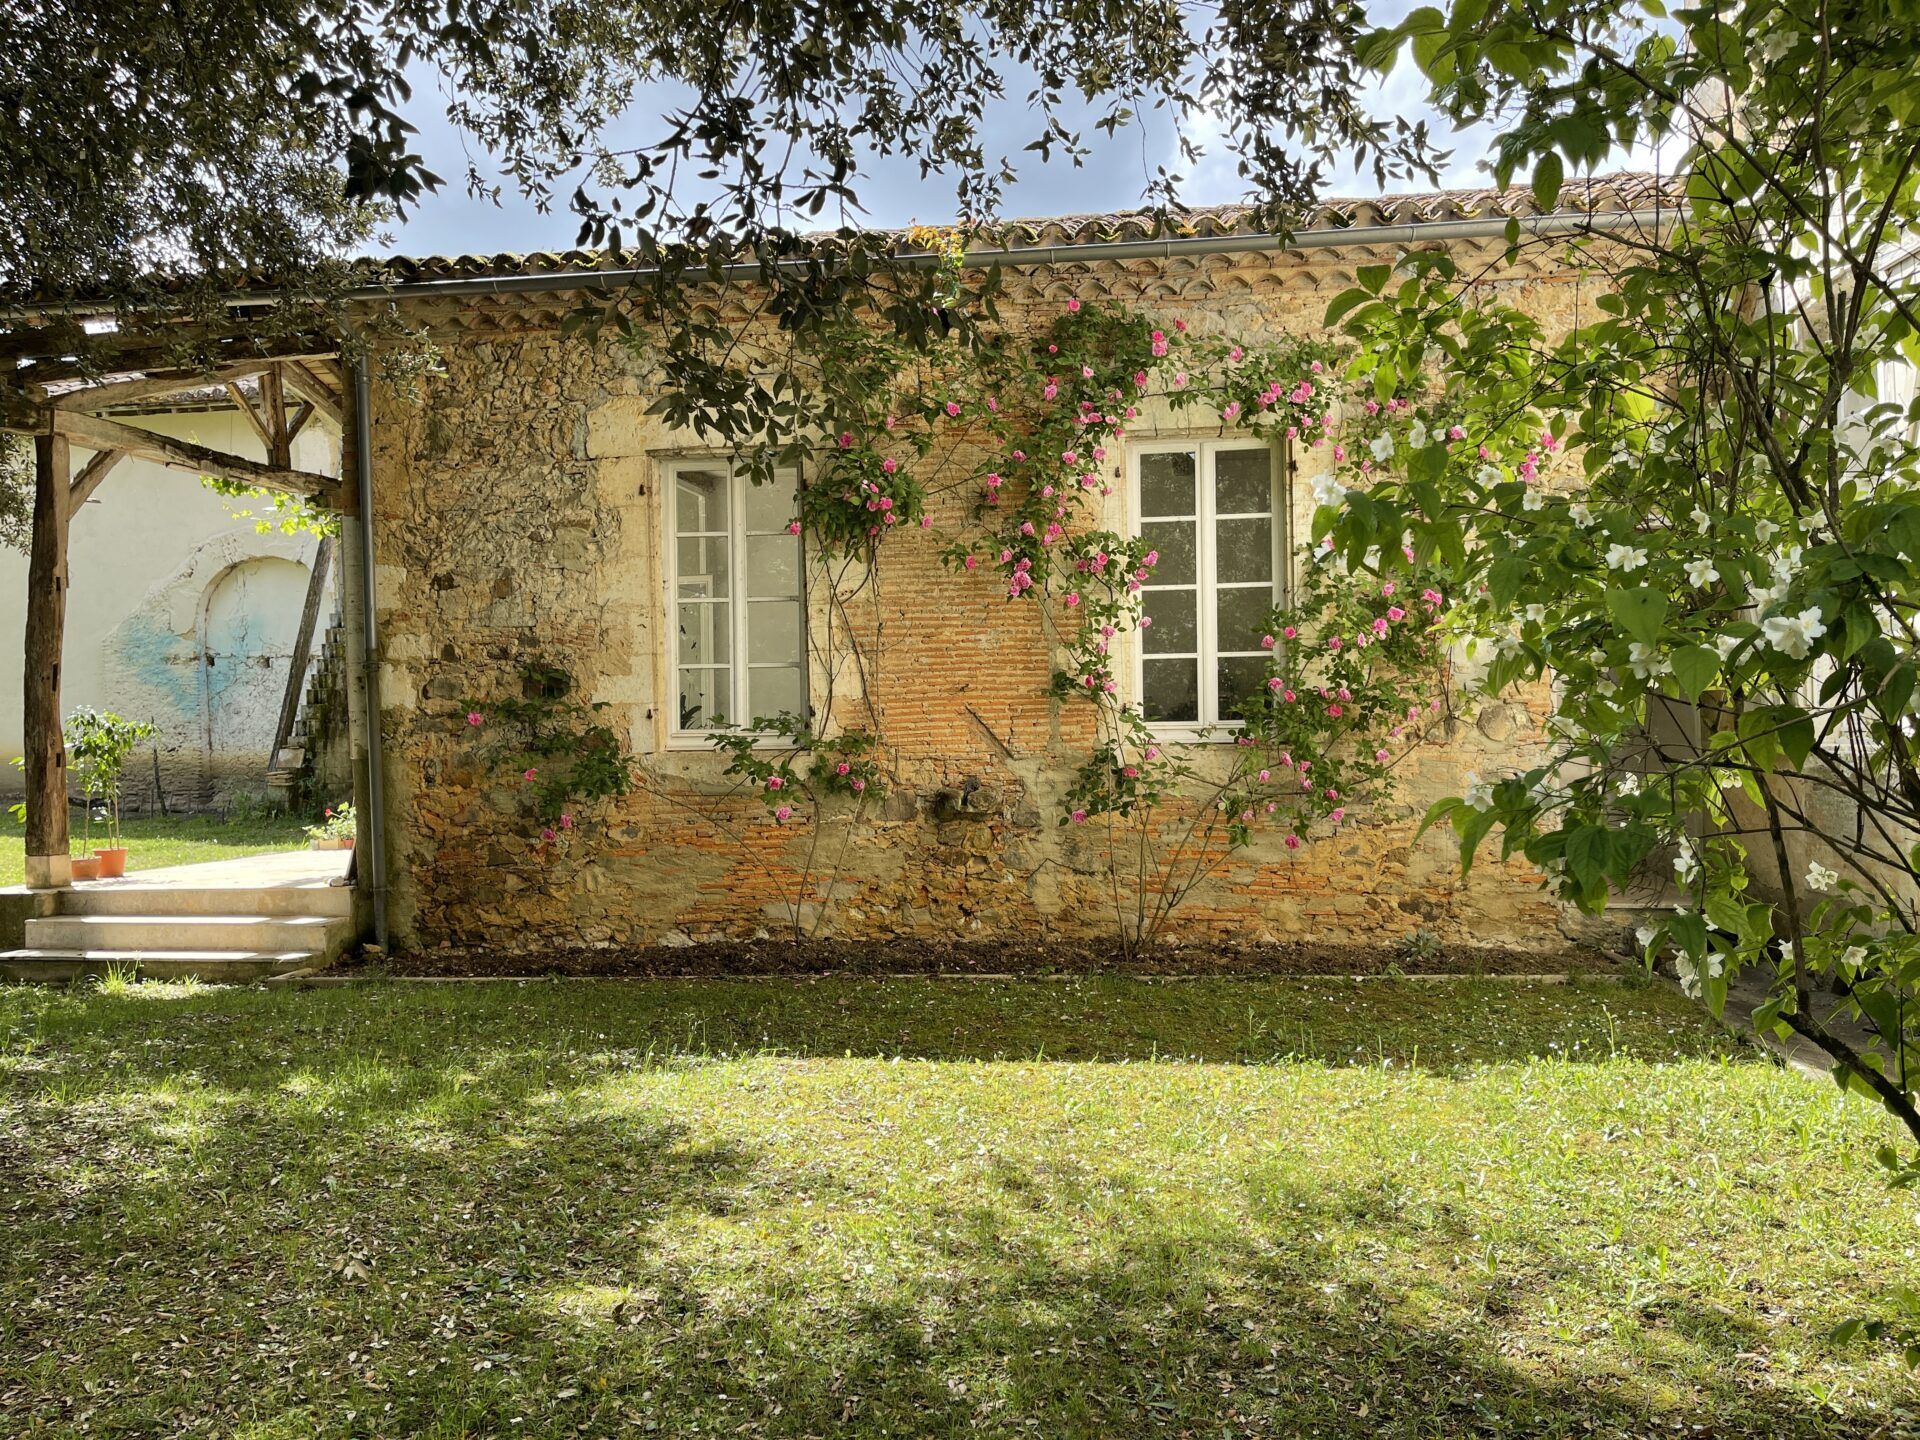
(738, 637)
(1206, 583)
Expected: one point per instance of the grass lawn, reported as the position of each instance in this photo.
(154, 841)
(913, 1208)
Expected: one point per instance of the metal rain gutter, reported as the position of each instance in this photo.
(1572, 223)
(370, 647)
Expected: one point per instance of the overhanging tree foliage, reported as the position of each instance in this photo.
(1698, 514)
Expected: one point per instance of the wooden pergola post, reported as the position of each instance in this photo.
(48, 859)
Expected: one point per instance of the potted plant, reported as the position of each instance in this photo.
(335, 830)
(100, 743)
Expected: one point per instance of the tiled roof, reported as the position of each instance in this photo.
(1622, 191)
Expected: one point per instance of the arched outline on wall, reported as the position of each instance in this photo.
(175, 611)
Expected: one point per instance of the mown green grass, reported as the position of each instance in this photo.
(155, 841)
(912, 1208)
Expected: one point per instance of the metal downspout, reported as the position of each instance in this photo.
(370, 648)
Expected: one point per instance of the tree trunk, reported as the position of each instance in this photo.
(48, 862)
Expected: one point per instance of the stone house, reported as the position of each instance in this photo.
(527, 504)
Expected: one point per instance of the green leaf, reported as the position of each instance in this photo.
(1374, 277)
(1344, 302)
(1548, 173)
(1638, 612)
(1694, 667)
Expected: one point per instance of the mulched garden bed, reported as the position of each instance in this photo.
(733, 958)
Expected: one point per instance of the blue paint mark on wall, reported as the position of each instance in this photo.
(160, 659)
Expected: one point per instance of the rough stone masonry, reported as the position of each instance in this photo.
(519, 515)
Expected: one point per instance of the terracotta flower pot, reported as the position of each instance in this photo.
(113, 862)
(86, 867)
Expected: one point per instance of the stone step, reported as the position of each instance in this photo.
(52, 967)
(327, 934)
(129, 897)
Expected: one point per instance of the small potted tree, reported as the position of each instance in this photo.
(101, 743)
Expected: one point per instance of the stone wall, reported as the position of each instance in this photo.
(518, 514)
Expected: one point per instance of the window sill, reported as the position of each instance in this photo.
(690, 742)
(1224, 733)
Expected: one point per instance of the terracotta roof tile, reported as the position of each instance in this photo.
(1616, 192)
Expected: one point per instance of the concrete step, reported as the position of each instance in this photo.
(326, 934)
(52, 967)
(132, 898)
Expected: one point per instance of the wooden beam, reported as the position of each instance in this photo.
(302, 649)
(48, 860)
(245, 407)
(300, 418)
(311, 388)
(97, 433)
(89, 478)
(150, 387)
(273, 400)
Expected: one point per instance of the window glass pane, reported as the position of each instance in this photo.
(1170, 691)
(703, 698)
(773, 691)
(1244, 550)
(773, 631)
(771, 506)
(1166, 483)
(1241, 618)
(1240, 677)
(705, 634)
(773, 565)
(702, 566)
(700, 500)
(1174, 539)
(1242, 482)
(1173, 631)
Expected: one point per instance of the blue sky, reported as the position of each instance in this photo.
(1113, 178)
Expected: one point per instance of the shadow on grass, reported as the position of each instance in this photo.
(1439, 1026)
(551, 1211)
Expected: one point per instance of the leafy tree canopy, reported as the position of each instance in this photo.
(154, 152)
(1696, 514)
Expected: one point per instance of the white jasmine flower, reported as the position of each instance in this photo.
(1646, 661)
(1417, 435)
(1701, 520)
(1700, 573)
(1536, 614)
(1820, 878)
(1328, 491)
(1489, 475)
(1533, 500)
(1793, 635)
(1686, 864)
(1726, 645)
(1478, 795)
(1382, 446)
(1646, 935)
(1764, 530)
(1582, 516)
(1625, 558)
(1629, 784)
(1854, 955)
(1765, 597)
(1688, 969)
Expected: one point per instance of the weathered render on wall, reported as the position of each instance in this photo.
(518, 515)
(180, 613)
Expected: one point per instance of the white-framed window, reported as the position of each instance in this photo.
(1216, 512)
(735, 588)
